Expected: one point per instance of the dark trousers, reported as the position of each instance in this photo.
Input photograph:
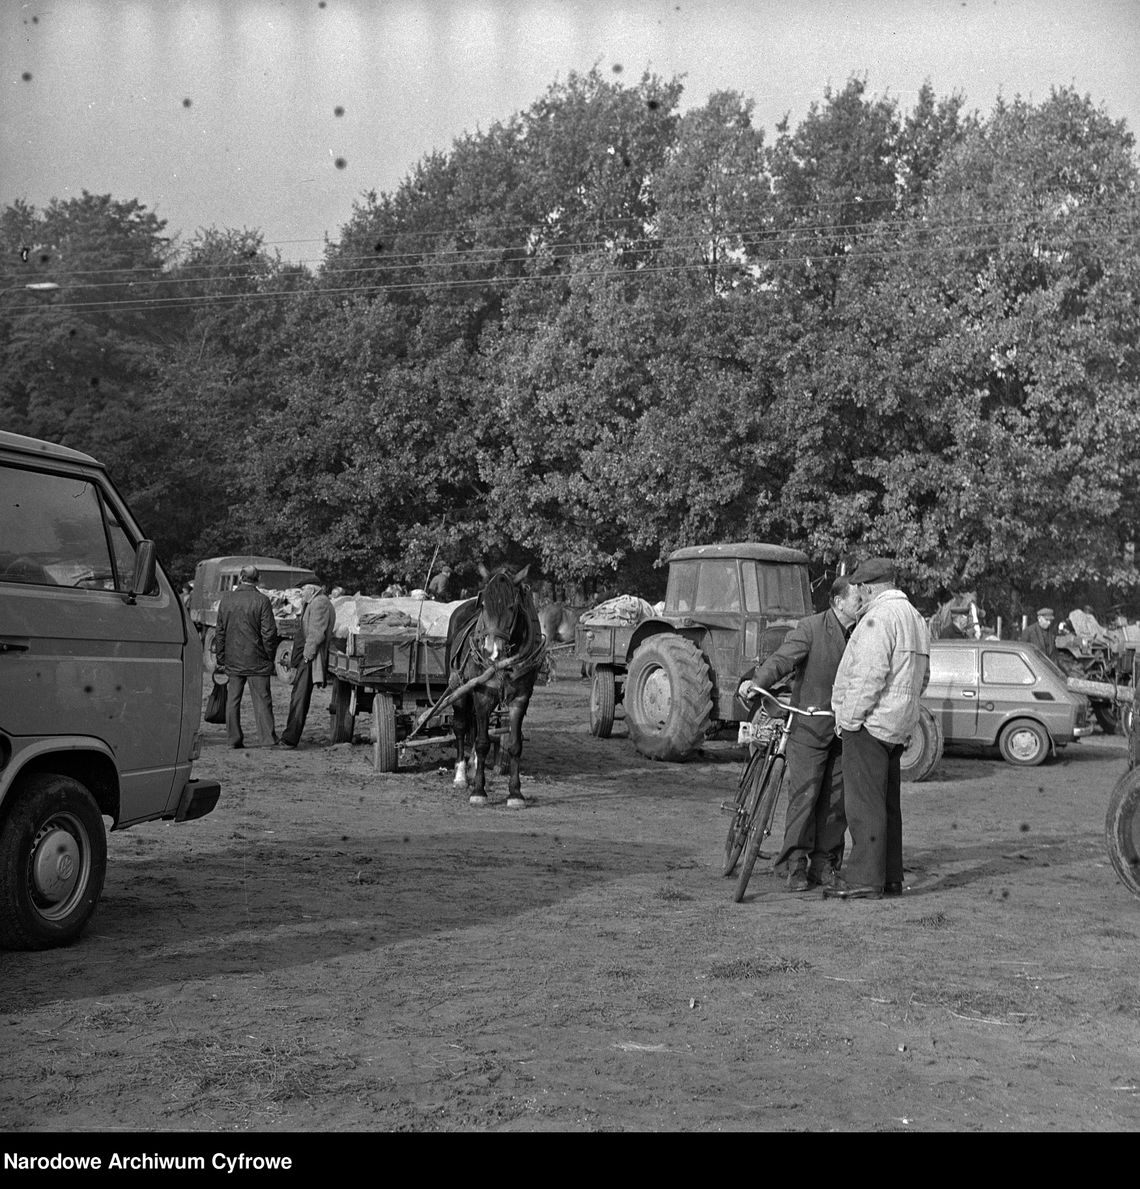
(815, 822)
(299, 701)
(873, 799)
(262, 708)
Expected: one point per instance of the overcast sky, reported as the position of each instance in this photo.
(224, 112)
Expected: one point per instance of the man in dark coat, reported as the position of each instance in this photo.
(815, 822)
(246, 645)
(1042, 634)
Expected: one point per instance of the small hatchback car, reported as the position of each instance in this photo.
(1003, 692)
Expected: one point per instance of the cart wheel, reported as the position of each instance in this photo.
(209, 656)
(281, 660)
(344, 721)
(383, 733)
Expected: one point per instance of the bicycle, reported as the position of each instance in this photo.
(754, 807)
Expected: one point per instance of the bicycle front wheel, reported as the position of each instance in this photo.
(748, 793)
(762, 825)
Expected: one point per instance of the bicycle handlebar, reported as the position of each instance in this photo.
(810, 712)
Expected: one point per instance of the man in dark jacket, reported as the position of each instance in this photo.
(1042, 633)
(815, 822)
(246, 645)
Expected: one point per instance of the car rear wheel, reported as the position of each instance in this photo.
(1024, 743)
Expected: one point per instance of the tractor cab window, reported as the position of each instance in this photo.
(783, 589)
(681, 592)
(718, 588)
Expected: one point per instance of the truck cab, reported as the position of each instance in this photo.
(100, 688)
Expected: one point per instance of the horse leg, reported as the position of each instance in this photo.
(459, 725)
(514, 743)
(482, 747)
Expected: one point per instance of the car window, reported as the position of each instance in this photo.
(953, 666)
(1006, 668)
(52, 531)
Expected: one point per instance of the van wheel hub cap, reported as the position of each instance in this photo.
(56, 863)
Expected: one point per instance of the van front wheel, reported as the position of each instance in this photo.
(53, 859)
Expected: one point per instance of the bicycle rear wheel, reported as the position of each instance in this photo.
(747, 802)
(762, 824)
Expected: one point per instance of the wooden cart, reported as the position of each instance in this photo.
(395, 678)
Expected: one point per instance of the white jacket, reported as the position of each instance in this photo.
(884, 670)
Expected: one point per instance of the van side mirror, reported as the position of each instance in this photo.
(144, 570)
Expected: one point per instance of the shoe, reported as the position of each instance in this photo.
(237, 746)
(798, 879)
(840, 889)
(284, 743)
(892, 888)
(821, 879)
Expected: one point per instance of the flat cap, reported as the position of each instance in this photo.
(1045, 611)
(874, 569)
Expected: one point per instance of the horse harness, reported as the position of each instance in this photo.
(526, 661)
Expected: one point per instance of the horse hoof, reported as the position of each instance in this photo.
(474, 799)
(516, 802)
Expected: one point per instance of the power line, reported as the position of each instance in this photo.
(703, 267)
(765, 237)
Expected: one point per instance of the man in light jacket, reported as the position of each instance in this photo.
(875, 697)
(310, 658)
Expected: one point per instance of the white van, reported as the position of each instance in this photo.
(100, 689)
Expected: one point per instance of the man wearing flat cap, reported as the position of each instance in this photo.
(1042, 634)
(246, 644)
(875, 697)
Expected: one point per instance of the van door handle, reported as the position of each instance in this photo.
(14, 645)
(969, 693)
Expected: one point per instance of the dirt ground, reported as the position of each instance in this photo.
(334, 950)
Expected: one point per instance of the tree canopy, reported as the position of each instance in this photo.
(604, 328)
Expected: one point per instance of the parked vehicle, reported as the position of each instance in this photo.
(1003, 692)
(100, 689)
(727, 607)
(214, 576)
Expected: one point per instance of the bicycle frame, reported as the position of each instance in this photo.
(755, 805)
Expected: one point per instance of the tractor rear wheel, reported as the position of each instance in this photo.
(668, 697)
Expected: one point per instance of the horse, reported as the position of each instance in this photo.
(494, 642)
(558, 622)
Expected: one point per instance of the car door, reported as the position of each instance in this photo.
(1006, 690)
(80, 654)
(952, 692)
